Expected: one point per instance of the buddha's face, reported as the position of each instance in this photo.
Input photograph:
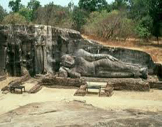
(67, 61)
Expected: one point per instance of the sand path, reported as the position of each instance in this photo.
(147, 101)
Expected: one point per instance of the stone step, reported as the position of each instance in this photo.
(156, 85)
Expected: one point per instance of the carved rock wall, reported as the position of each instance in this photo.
(39, 48)
(2, 52)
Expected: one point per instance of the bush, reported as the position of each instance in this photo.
(14, 19)
(53, 15)
(143, 27)
(26, 13)
(79, 18)
(3, 13)
(109, 25)
(92, 25)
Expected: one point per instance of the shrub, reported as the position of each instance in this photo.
(143, 27)
(79, 18)
(26, 13)
(14, 19)
(109, 25)
(53, 15)
(3, 13)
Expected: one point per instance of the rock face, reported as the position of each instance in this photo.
(40, 49)
(2, 53)
(101, 65)
(75, 114)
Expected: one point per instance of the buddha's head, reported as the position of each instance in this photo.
(67, 61)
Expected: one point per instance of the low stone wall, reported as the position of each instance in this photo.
(59, 81)
(118, 84)
(156, 85)
(129, 84)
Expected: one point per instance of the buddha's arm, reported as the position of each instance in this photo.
(93, 57)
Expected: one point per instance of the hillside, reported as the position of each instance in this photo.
(153, 48)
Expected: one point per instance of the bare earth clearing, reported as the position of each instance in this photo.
(146, 101)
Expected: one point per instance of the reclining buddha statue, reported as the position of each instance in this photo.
(98, 65)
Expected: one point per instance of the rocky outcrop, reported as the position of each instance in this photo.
(39, 48)
(76, 114)
(2, 52)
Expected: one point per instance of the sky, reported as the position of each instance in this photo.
(4, 3)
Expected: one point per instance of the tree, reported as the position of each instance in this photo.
(33, 5)
(79, 18)
(71, 6)
(119, 4)
(14, 18)
(26, 13)
(15, 5)
(49, 9)
(92, 5)
(141, 9)
(144, 26)
(54, 15)
(3, 13)
(155, 12)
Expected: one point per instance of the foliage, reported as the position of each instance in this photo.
(3, 13)
(79, 18)
(15, 5)
(71, 6)
(120, 19)
(155, 12)
(140, 9)
(119, 4)
(93, 5)
(14, 18)
(33, 5)
(26, 13)
(109, 25)
(144, 26)
(53, 15)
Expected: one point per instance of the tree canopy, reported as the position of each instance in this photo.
(33, 5)
(93, 5)
(148, 13)
(15, 5)
(119, 19)
(3, 13)
(14, 18)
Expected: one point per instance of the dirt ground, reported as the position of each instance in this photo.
(146, 101)
(76, 114)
